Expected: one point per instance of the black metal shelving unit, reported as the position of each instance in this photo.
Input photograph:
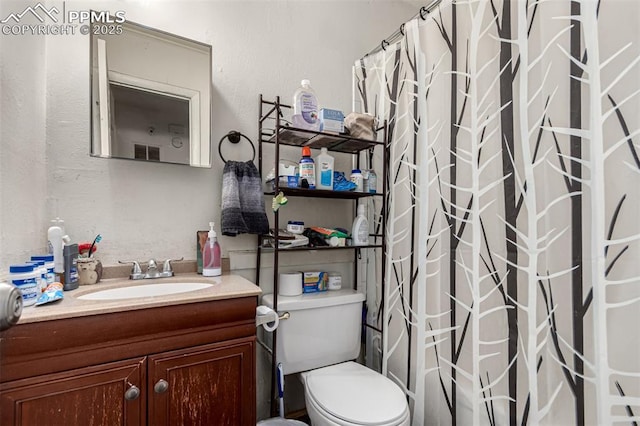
(323, 193)
(281, 134)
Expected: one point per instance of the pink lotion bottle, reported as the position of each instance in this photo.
(211, 255)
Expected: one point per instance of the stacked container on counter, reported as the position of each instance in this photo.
(25, 277)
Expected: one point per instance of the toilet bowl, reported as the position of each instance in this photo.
(320, 340)
(350, 394)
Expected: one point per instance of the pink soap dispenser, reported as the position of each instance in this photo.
(211, 255)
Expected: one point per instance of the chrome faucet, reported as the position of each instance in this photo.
(152, 269)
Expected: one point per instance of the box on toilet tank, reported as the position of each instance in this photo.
(313, 282)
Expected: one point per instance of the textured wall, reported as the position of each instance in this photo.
(23, 146)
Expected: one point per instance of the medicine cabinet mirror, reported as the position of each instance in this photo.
(150, 97)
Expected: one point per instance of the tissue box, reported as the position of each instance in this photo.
(331, 120)
(288, 176)
(285, 182)
(313, 282)
(287, 170)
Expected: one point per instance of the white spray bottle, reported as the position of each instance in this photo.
(211, 255)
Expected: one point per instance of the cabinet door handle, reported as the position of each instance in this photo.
(132, 393)
(161, 386)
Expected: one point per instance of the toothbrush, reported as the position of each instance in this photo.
(96, 240)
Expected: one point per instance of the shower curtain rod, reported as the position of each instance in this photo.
(422, 13)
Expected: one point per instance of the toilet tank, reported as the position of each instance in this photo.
(323, 329)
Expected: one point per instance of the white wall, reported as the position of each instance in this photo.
(153, 210)
(23, 146)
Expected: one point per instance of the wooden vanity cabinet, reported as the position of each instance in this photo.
(88, 396)
(191, 364)
(203, 386)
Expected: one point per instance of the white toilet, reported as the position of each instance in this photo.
(319, 340)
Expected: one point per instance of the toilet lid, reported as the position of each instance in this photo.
(356, 394)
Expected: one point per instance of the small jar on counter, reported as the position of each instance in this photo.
(42, 274)
(25, 278)
(48, 263)
(335, 281)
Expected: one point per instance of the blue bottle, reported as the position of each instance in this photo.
(307, 170)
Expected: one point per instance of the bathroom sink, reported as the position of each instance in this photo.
(144, 290)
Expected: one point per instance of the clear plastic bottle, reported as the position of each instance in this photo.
(324, 170)
(305, 107)
(307, 169)
(373, 181)
(211, 255)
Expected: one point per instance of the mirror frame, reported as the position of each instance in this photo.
(200, 154)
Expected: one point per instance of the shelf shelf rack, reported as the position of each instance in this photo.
(284, 135)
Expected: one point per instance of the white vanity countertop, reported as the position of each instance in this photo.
(225, 287)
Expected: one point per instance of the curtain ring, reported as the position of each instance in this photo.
(402, 29)
(384, 44)
(423, 13)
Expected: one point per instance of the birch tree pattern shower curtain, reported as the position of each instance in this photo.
(512, 291)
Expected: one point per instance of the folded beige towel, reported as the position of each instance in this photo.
(361, 126)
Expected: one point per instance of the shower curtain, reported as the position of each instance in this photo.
(512, 285)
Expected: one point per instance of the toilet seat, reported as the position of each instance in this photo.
(330, 420)
(351, 394)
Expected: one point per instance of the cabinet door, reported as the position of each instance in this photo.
(88, 396)
(207, 385)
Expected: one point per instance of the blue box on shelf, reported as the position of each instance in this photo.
(331, 120)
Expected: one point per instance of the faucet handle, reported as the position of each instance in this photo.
(166, 268)
(136, 271)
